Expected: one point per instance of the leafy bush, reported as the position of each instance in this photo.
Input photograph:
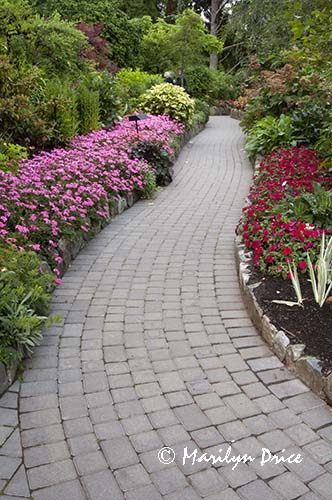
(158, 158)
(60, 108)
(324, 143)
(313, 208)
(168, 99)
(202, 112)
(227, 85)
(111, 105)
(130, 84)
(24, 302)
(307, 121)
(269, 134)
(10, 155)
(88, 109)
(201, 81)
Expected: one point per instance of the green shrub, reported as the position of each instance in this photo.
(313, 208)
(89, 109)
(168, 99)
(111, 105)
(324, 143)
(150, 187)
(202, 111)
(130, 84)
(10, 155)
(157, 157)
(269, 134)
(201, 81)
(24, 302)
(61, 109)
(307, 121)
(227, 85)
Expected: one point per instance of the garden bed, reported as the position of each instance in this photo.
(299, 335)
(68, 249)
(287, 338)
(310, 325)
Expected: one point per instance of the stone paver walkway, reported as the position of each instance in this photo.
(158, 351)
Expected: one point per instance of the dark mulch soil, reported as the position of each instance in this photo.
(309, 325)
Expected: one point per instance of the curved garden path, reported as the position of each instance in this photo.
(157, 350)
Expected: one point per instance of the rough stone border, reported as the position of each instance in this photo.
(305, 367)
(70, 249)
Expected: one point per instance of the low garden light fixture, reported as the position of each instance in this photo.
(136, 118)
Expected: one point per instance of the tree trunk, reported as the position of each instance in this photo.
(215, 4)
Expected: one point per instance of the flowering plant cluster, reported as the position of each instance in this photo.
(63, 193)
(277, 239)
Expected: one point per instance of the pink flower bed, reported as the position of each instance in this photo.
(274, 239)
(65, 191)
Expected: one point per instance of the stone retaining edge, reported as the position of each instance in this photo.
(70, 249)
(306, 368)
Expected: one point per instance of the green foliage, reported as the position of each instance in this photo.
(111, 102)
(61, 109)
(313, 208)
(181, 45)
(88, 109)
(228, 85)
(57, 47)
(312, 36)
(307, 121)
(24, 302)
(158, 158)
(269, 134)
(201, 81)
(324, 143)
(150, 187)
(168, 99)
(116, 27)
(140, 8)
(130, 84)
(10, 155)
(202, 112)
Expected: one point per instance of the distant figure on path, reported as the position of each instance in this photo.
(181, 80)
(168, 77)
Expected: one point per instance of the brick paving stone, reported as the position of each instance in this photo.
(102, 485)
(288, 486)
(156, 348)
(322, 485)
(183, 494)
(119, 452)
(207, 437)
(307, 469)
(69, 489)
(192, 417)
(146, 441)
(242, 405)
(169, 480)
(257, 489)
(132, 477)
(45, 454)
(90, 462)
(50, 474)
(148, 492)
(207, 482)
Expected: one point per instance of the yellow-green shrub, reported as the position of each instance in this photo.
(168, 99)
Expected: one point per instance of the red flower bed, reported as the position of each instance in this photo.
(275, 239)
